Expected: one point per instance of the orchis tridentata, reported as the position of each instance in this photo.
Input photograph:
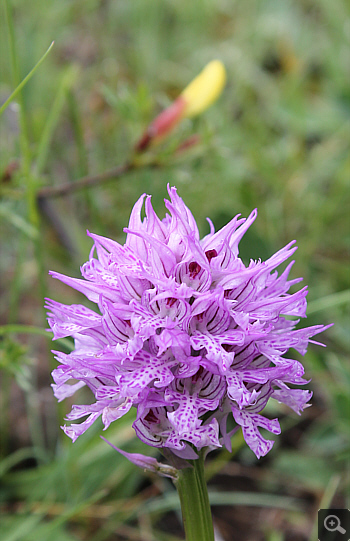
(184, 332)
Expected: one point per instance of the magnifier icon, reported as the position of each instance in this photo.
(332, 524)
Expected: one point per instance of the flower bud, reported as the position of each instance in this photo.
(196, 98)
(205, 89)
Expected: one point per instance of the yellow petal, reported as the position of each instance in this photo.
(205, 88)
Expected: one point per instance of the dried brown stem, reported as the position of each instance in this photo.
(84, 182)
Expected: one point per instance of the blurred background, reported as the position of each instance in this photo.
(277, 139)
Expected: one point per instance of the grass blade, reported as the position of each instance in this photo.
(67, 81)
(23, 528)
(18, 456)
(32, 329)
(25, 80)
(18, 221)
(171, 501)
(329, 301)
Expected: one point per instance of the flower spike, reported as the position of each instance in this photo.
(185, 333)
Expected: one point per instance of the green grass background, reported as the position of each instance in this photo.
(277, 139)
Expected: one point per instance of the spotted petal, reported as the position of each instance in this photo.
(250, 423)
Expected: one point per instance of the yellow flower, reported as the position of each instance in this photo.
(204, 89)
(196, 98)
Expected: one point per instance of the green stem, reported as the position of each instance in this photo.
(194, 499)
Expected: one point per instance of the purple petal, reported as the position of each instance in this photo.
(153, 370)
(64, 391)
(112, 413)
(296, 399)
(249, 423)
(76, 430)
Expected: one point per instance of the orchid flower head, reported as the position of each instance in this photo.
(184, 332)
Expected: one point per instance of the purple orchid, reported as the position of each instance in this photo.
(184, 332)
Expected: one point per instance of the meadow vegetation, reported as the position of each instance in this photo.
(277, 139)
